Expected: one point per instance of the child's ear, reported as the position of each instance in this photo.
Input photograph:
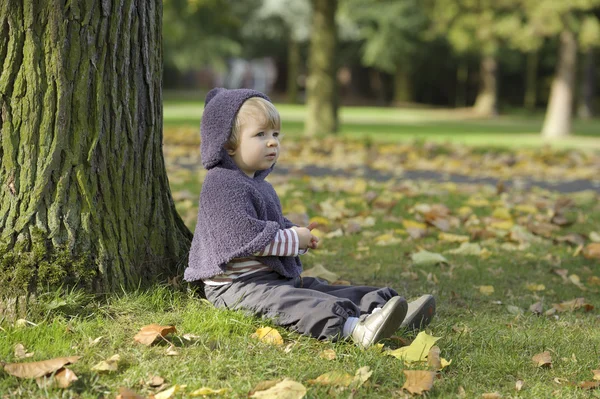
(230, 151)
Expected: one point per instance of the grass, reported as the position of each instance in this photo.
(490, 339)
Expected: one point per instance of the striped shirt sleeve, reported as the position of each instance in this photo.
(285, 243)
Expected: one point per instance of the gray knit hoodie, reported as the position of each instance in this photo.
(238, 215)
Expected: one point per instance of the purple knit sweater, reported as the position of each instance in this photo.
(238, 215)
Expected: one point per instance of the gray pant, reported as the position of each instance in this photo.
(305, 305)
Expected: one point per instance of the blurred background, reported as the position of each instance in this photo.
(393, 66)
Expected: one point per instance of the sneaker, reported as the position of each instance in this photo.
(419, 314)
(382, 324)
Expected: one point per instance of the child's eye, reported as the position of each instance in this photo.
(260, 134)
(275, 134)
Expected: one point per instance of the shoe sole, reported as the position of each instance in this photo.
(422, 315)
(393, 320)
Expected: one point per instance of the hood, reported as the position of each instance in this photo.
(220, 108)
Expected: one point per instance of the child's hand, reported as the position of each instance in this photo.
(306, 238)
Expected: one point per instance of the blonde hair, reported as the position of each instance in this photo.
(258, 108)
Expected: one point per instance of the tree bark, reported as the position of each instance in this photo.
(293, 67)
(84, 195)
(402, 86)
(585, 110)
(321, 84)
(557, 122)
(486, 101)
(530, 99)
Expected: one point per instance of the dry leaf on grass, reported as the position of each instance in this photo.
(328, 354)
(110, 364)
(171, 351)
(596, 375)
(61, 379)
(426, 258)
(169, 393)
(519, 385)
(491, 395)
(333, 378)
(592, 251)
(268, 335)
(38, 369)
(125, 393)
(286, 389)
(589, 385)
(21, 352)
(204, 391)
(156, 381)
(543, 359)
(360, 377)
(486, 289)
(418, 381)
(435, 361)
(148, 334)
(572, 305)
(417, 351)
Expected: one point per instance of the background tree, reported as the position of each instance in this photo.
(321, 84)
(391, 34)
(84, 197)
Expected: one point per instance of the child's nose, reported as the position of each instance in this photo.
(273, 142)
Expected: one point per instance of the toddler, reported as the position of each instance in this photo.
(246, 252)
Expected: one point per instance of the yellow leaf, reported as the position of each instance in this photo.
(21, 352)
(320, 220)
(208, 391)
(168, 393)
(286, 389)
(418, 381)
(426, 258)
(360, 377)
(503, 225)
(502, 213)
(334, 378)
(478, 202)
(467, 248)
(592, 251)
(417, 351)
(328, 354)
(535, 287)
(110, 364)
(486, 289)
(596, 375)
(411, 224)
(491, 395)
(464, 211)
(148, 334)
(594, 237)
(526, 208)
(543, 359)
(453, 237)
(318, 233)
(572, 305)
(268, 335)
(319, 271)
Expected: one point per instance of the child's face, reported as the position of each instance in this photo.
(258, 147)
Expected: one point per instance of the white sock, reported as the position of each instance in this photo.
(375, 310)
(349, 325)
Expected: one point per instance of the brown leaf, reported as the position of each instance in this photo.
(418, 381)
(61, 379)
(491, 395)
(125, 393)
(21, 352)
(572, 305)
(572, 238)
(156, 381)
(589, 385)
(536, 308)
(592, 251)
(334, 378)
(519, 385)
(543, 359)
(433, 358)
(38, 369)
(148, 334)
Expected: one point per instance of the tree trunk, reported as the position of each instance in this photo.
(557, 122)
(293, 67)
(462, 79)
(531, 81)
(486, 101)
(402, 86)
(321, 83)
(84, 195)
(585, 110)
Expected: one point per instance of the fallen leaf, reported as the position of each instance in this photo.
(589, 385)
(543, 359)
(93, 342)
(486, 289)
(38, 369)
(171, 351)
(592, 251)
(536, 308)
(572, 305)
(491, 395)
(572, 238)
(21, 352)
(519, 385)
(208, 391)
(156, 381)
(417, 351)
(61, 379)
(577, 281)
(426, 258)
(168, 393)
(333, 378)
(596, 375)
(268, 335)
(110, 364)
(360, 377)
(418, 381)
(328, 354)
(125, 393)
(148, 334)
(453, 238)
(190, 337)
(594, 237)
(594, 280)
(286, 389)
(319, 271)
(535, 287)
